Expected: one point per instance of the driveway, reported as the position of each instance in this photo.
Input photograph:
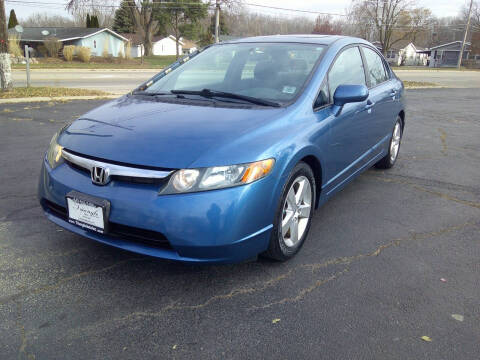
(392, 258)
(123, 81)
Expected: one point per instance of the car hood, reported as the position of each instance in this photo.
(135, 130)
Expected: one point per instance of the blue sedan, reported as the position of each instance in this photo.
(226, 154)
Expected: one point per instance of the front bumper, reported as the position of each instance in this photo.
(219, 226)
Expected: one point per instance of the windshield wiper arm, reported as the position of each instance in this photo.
(214, 93)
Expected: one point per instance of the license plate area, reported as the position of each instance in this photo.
(88, 212)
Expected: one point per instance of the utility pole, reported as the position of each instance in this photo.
(465, 36)
(217, 20)
(5, 69)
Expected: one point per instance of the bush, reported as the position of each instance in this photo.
(68, 52)
(120, 54)
(53, 46)
(84, 54)
(42, 50)
(14, 46)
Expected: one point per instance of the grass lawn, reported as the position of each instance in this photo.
(149, 62)
(22, 92)
(417, 84)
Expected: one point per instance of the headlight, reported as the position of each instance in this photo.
(54, 153)
(217, 177)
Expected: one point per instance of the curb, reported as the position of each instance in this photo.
(56, 98)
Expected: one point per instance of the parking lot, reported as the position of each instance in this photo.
(388, 260)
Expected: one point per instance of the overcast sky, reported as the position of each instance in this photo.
(438, 7)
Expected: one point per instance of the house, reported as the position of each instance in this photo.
(166, 46)
(188, 46)
(446, 55)
(94, 38)
(136, 45)
(161, 45)
(97, 39)
(412, 55)
(404, 53)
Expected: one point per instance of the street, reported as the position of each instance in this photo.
(395, 256)
(122, 81)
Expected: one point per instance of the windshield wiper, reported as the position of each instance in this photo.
(214, 93)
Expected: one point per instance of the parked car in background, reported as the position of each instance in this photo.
(225, 154)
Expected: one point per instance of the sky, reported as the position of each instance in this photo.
(440, 8)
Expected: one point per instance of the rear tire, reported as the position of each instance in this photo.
(393, 148)
(294, 214)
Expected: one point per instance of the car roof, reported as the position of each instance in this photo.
(307, 38)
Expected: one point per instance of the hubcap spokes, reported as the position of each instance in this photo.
(296, 211)
(395, 143)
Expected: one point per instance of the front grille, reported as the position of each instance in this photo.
(123, 232)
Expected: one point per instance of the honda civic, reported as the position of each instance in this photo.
(225, 154)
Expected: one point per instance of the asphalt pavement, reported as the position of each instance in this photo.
(123, 81)
(392, 258)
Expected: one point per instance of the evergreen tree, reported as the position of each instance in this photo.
(89, 21)
(95, 23)
(123, 21)
(12, 20)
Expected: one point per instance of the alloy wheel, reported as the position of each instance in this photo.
(395, 143)
(296, 211)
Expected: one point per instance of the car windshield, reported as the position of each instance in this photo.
(274, 72)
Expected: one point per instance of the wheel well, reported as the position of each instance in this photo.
(402, 116)
(314, 164)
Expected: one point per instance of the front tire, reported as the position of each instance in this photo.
(394, 147)
(294, 214)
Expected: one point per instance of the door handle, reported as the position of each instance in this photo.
(369, 105)
(393, 93)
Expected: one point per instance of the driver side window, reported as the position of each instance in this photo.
(347, 70)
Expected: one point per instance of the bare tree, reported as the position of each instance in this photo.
(143, 12)
(5, 69)
(392, 20)
(325, 25)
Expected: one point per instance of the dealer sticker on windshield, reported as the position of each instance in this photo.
(86, 212)
(289, 89)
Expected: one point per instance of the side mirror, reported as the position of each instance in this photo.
(347, 94)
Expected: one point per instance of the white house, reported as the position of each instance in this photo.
(404, 53)
(410, 55)
(166, 46)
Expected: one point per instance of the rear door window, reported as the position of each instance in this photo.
(376, 68)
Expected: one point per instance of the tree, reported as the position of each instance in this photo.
(123, 21)
(5, 69)
(12, 20)
(325, 25)
(94, 21)
(89, 21)
(182, 15)
(392, 20)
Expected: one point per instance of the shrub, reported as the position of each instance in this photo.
(14, 46)
(68, 52)
(84, 53)
(42, 50)
(120, 54)
(53, 46)
(128, 50)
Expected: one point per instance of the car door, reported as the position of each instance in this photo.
(349, 131)
(382, 95)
